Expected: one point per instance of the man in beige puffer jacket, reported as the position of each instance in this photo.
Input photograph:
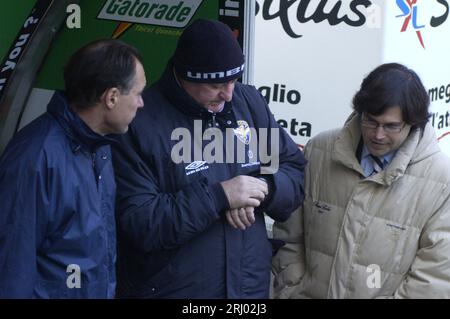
(372, 228)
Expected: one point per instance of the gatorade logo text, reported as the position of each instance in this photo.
(169, 13)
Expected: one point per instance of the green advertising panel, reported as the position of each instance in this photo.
(153, 26)
(12, 17)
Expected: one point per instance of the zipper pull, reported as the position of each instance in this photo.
(214, 120)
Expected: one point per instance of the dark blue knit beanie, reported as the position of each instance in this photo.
(208, 52)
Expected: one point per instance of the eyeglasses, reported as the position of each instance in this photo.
(390, 128)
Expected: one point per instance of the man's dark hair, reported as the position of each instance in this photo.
(97, 67)
(390, 85)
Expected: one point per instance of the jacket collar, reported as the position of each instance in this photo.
(418, 145)
(74, 127)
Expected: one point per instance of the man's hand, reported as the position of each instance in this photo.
(241, 218)
(244, 191)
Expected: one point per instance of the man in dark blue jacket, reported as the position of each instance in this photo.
(194, 178)
(57, 188)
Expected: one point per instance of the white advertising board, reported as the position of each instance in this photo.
(311, 56)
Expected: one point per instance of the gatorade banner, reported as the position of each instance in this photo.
(152, 26)
(168, 13)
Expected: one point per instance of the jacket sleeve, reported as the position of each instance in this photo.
(285, 169)
(288, 265)
(429, 275)
(151, 219)
(23, 204)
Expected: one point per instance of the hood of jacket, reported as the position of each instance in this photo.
(80, 134)
(419, 145)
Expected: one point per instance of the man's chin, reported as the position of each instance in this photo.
(378, 150)
(216, 107)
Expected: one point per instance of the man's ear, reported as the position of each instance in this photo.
(110, 97)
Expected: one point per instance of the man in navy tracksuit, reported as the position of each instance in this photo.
(192, 186)
(57, 188)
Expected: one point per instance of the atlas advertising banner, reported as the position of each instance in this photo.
(311, 56)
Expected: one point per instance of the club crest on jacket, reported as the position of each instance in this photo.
(243, 132)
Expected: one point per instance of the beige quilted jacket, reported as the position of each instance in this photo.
(387, 235)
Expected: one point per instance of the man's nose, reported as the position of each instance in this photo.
(140, 102)
(227, 92)
(379, 132)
